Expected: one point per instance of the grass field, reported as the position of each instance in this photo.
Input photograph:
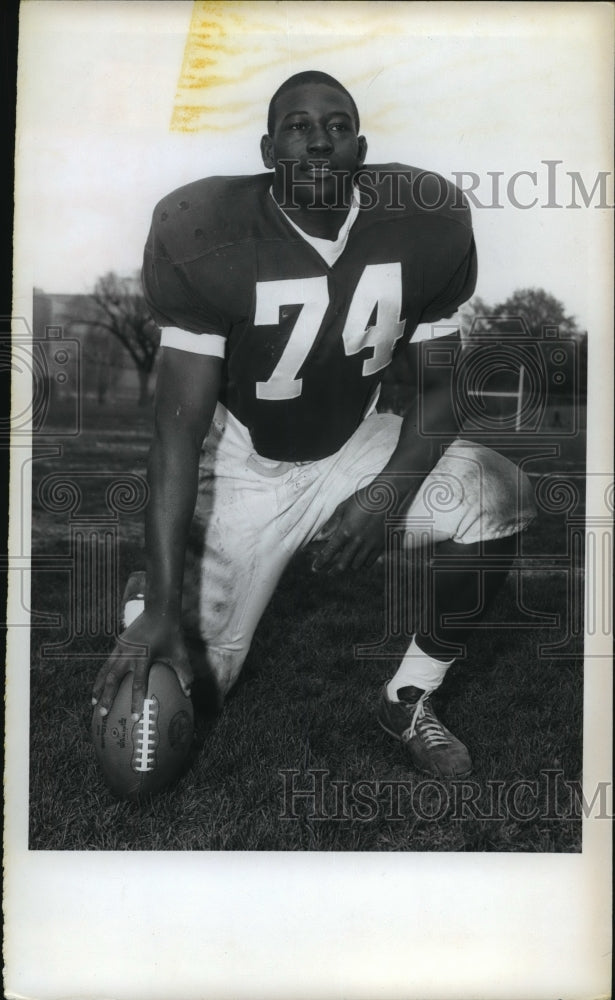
(302, 716)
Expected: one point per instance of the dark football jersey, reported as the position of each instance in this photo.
(305, 344)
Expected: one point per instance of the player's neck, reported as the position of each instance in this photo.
(318, 213)
(324, 222)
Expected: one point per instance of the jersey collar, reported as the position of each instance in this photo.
(329, 250)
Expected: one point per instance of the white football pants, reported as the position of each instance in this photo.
(256, 513)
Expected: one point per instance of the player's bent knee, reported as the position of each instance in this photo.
(475, 494)
(508, 507)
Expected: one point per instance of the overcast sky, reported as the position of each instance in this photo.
(462, 88)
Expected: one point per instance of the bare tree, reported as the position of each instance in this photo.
(103, 356)
(120, 310)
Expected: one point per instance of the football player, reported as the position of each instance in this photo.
(283, 298)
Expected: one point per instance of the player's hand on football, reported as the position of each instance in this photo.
(147, 640)
(355, 537)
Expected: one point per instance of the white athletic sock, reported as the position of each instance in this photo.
(417, 670)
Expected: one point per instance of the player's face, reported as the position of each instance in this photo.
(314, 149)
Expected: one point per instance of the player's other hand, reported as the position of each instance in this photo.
(355, 537)
(147, 640)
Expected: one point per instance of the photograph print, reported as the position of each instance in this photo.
(307, 311)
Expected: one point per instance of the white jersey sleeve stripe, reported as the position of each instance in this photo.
(441, 328)
(196, 343)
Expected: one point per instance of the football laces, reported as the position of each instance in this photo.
(146, 738)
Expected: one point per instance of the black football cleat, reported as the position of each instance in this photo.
(432, 748)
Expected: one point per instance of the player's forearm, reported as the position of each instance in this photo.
(186, 393)
(173, 482)
(420, 444)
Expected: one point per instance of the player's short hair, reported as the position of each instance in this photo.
(309, 76)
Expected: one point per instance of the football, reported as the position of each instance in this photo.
(142, 758)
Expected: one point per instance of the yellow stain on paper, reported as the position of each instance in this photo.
(238, 52)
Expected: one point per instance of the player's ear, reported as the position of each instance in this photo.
(267, 152)
(362, 141)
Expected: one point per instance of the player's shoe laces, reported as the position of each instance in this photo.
(413, 721)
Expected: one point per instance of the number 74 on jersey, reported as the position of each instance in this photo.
(378, 289)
